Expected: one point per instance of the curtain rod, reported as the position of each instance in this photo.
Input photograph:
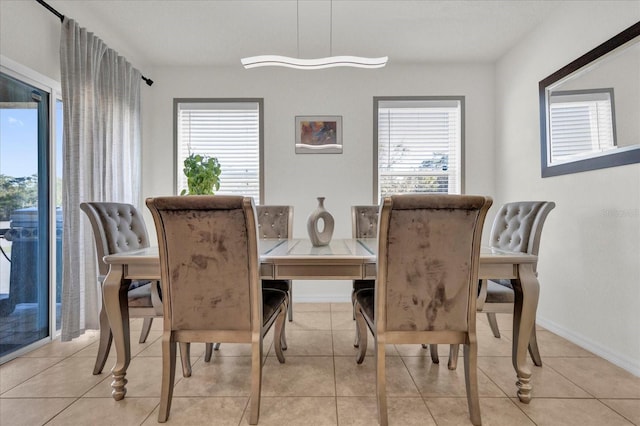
(61, 17)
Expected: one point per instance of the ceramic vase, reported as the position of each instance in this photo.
(320, 214)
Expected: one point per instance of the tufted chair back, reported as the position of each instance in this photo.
(117, 227)
(275, 221)
(518, 226)
(364, 221)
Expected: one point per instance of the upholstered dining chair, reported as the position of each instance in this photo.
(364, 224)
(427, 282)
(209, 269)
(516, 227)
(277, 222)
(118, 227)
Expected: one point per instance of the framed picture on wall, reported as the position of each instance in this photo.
(319, 134)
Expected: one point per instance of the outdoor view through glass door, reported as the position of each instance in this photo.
(25, 218)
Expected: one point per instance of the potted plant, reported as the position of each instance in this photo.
(203, 174)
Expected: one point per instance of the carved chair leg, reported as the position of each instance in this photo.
(433, 349)
(353, 304)
(185, 355)
(208, 350)
(471, 381)
(493, 323)
(278, 333)
(533, 348)
(146, 327)
(168, 377)
(256, 381)
(454, 351)
(381, 384)
(290, 301)
(105, 342)
(361, 335)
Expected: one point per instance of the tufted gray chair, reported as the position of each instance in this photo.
(277, 222)
(427, 282)
(209, 266)
(118, 227)
(516, 227)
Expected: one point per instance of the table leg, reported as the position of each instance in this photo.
(114, 296)
(527, 290)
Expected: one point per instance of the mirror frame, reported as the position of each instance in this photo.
(612, 159)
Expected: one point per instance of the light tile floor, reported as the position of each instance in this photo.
(320, 383)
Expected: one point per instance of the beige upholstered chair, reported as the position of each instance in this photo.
(364, 224)
(427, 282)
(277, 222)
(210, 281)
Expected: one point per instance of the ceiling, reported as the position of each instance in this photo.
(220, 32)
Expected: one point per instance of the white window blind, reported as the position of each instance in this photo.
(581, 123)
(229, 131)
(419, 146)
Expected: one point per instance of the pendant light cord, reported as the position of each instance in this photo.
(331, 28)
(298, 26)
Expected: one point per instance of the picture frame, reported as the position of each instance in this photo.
(318, 134)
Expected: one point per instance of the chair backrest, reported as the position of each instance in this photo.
(275, 222)
(518, 226)
(117, 227)
(428, 255)
(364, 221)
(208, 262)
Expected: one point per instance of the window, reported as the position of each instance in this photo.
(231, 131)
(581, 123)
(418, 145)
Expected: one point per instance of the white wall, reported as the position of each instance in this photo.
(344, 179)
(590, 251)
(30, 35)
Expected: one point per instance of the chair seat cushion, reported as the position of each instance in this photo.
(284, 285)
(139, 295)
(362, 284)
(500, 291)
(271, 301)
(366, 298)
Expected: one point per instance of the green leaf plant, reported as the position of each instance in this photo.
(203, 174)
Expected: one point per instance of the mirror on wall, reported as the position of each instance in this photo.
(590, 109)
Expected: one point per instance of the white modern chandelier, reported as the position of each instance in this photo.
(316, 63)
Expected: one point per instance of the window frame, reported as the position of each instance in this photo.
(376, 106)
(33, 78)
(590, 98)
(176, 149)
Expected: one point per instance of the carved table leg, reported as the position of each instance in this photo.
(114, 294)
(526, 291)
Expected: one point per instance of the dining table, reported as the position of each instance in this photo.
(341, 259)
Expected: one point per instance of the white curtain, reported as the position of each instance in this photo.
(101, 159)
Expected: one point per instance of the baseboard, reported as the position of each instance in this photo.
(626, 363)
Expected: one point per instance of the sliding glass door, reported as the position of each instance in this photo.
(27, 278)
